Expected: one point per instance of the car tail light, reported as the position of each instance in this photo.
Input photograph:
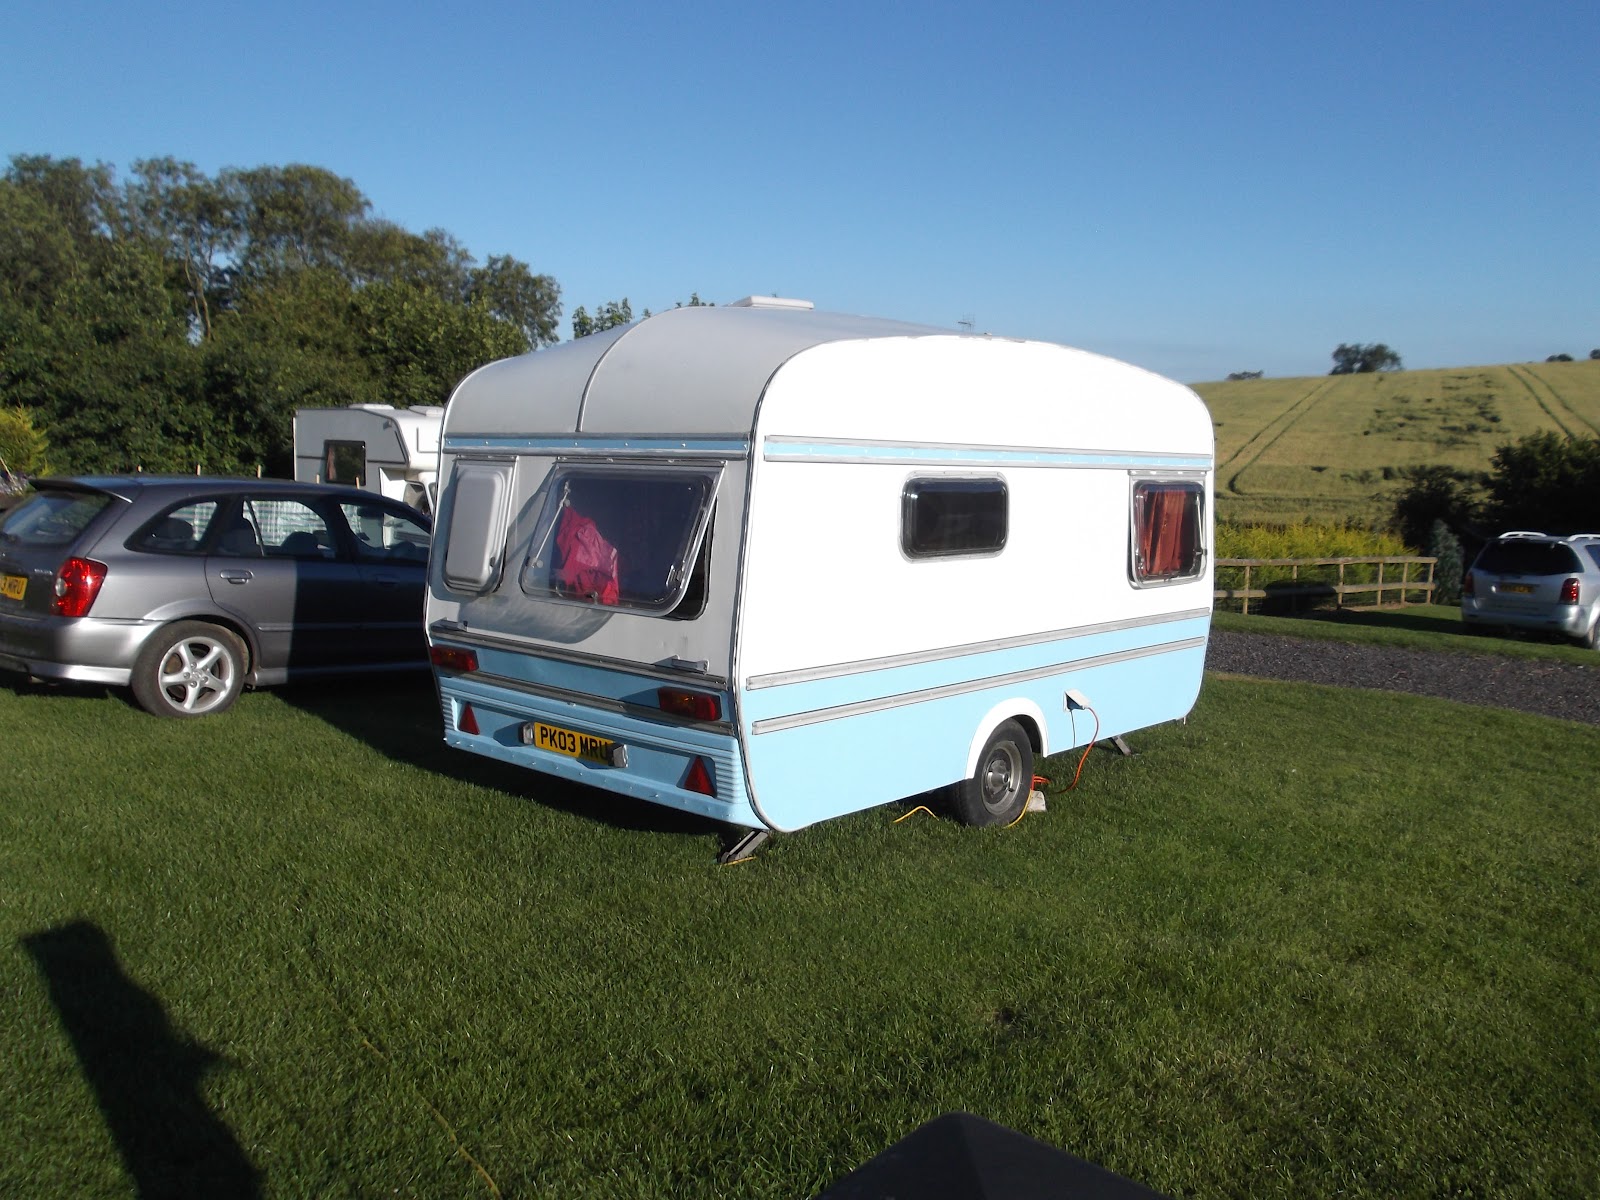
(1569, 591)
(697, 706)
(1469, 586)
(77, 584)
(466, 720)
(699, 779)
(453, 659)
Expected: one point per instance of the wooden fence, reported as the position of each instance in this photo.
(1296, 589)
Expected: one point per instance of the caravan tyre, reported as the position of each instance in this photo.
(998, 791)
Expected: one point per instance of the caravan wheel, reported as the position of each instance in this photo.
(998, 791)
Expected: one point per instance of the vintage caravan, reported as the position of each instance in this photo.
(773, 565)
(391, 451)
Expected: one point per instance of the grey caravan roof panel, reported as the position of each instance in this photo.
(686, 371)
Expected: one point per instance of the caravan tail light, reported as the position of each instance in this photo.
(699, 779)
(77, 584)
(466, 720)
(1569, 591)
(697, 706)
(453, 659)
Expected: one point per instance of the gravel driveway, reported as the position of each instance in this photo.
(1551, 689)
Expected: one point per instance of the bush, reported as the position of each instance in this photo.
(1547, 482)
(1433, 494)
(1443, 545)
(1303, 539)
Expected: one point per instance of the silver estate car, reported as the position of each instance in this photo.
(1546, 583)
(189, 589)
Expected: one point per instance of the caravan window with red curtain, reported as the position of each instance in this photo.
(619, 536)
(1166, 531)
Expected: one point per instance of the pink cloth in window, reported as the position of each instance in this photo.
(588, 561)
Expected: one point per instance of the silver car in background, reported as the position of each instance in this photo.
(187, 589)
(1544, 583)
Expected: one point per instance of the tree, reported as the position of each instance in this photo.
(1593, 354)
(1358, 359)
(608, 316)
(1446, 547)
(23, 449)
(1547, 482)
(512, 292)
(1236, 376)
(175, 204)
(1559, 358)
(1434, 494)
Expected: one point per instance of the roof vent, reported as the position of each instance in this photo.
(772, 302)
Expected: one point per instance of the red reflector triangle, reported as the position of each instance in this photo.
(466, 722)
(699, 779)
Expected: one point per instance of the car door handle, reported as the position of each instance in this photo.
(237, 575)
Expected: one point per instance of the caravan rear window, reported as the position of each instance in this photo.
(621, 537)
(1166, 532)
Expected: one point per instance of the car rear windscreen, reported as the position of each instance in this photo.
(1527, 558)
(52, 518)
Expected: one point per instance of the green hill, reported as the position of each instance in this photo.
(1332, 447)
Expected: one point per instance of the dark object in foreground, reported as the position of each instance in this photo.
(962, 1157)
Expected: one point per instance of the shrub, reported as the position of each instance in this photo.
(1443, 545)
(1303, 539)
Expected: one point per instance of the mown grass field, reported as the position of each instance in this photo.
(1331, 447)
(1310, 943)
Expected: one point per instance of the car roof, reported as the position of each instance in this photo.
(127, 487)
(1530, 535)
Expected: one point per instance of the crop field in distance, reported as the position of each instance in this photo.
(1332, 447)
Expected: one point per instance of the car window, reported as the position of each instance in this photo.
(289, 528)
(52, 518)
(180, 530)
(1527, 558)
(385, 534)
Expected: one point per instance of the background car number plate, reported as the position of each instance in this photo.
(571, 743)
(12, 587)
(1523, 588)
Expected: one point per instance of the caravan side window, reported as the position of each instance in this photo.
(943, 517)
(344, 462)
(1166, 532)
(624, 537)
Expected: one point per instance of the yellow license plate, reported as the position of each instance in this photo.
(570, 742)
(13, 587)
(1525, 589)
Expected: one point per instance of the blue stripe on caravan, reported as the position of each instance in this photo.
(457, 443)
(808, 700)
(779, 449)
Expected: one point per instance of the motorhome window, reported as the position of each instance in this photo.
(621, 537)
(475, 541)
(344, 462)
(940, 518)
(1166, 531)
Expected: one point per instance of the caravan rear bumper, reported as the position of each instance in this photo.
(660, 754)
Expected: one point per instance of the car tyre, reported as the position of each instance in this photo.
(998, 791)
(189, 669)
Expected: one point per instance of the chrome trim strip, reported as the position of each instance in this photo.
(777, 447)
(918, 657)
(862, 707)
(450, 631)
(724, 446)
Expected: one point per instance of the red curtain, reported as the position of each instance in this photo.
(588, 561)
(1167, 532)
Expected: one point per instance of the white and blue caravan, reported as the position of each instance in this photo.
(772, 565)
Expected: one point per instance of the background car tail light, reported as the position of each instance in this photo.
(77, 584)
(1569, 591)
(452, 658)
(699, 779)
(697, 706)
(1469, 586)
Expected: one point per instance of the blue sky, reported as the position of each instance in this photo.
(1196, 188)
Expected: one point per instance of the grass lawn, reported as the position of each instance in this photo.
(1309, 943)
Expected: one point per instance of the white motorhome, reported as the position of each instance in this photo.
(772, 565)
(391, 451)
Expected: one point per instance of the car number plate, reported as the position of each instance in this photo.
(13, 587)
(1525, 589)
(568, 741)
